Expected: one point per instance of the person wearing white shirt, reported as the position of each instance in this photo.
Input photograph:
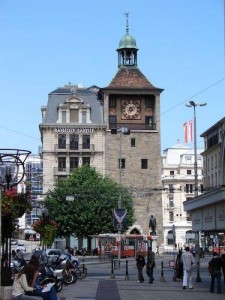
(188, 261)
(21, 284)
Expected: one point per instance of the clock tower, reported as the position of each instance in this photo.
(131, 101)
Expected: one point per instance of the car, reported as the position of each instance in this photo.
(58, 252)
(14, 242)
(21, 247)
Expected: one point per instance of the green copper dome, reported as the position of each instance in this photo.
(127, 41)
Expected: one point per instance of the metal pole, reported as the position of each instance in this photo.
(112, 270)
(198, 278)
(195, 154)
(174, 266)
(120, 199)
(1, 234)
(162, 274)
(126, 275)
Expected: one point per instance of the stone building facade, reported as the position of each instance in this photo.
(132, 102)
(72, 133)
(76, 129)
(208, 209)
(178, 183)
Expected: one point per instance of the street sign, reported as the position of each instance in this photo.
(69, 198)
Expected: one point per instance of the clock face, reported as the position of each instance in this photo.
(131, 109)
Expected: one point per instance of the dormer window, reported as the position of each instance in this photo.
(64, 117)
(74, 115)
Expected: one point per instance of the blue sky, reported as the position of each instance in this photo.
(46, 44)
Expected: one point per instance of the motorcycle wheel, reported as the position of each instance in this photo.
(58, 286)
(67, 277)
(82, 272)
(58, 283)
(74, 277)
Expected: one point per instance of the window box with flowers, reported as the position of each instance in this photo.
(14, 205)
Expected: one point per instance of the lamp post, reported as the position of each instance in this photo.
(45, 218)
(12, 171)
(193, 104)
(174, 255)
(121, 131)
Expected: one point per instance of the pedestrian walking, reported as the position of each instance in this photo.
(140, 262)
(223, 265)
(179, 265)
(150, 264)
(187, 259)
(215, 263)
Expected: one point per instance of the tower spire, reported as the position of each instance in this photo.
(127, 22)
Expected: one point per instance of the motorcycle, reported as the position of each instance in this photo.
(49, 275)
(63, 263)
(46, 273)
(79, 271)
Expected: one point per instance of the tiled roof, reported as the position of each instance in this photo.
(130, 78)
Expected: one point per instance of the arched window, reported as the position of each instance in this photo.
(170, 238)
(190, 237)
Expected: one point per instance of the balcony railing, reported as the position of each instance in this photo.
(133, 126)
(170, 206)
(63, 171)
(78, 147)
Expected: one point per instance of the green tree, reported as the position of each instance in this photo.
(90, 213)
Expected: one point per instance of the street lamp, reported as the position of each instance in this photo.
(121, 131)
(193, 104)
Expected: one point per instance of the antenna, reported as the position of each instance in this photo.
(127, 23)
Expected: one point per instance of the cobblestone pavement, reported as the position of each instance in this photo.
(104, 286)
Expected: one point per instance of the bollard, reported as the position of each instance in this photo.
(126, 275)
(162, 279)
(112, 270)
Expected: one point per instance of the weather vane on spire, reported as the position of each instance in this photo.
(127, 23)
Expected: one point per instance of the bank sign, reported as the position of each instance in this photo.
(74, 130)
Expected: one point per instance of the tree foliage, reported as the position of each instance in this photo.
(90, 213)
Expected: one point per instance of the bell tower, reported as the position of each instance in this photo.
(127, 50)
(131, 101)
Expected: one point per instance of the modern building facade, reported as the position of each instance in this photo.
(178, 183)
(34, 181)
(208, 209)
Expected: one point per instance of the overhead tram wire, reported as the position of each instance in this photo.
(201, 91)
(198, 93)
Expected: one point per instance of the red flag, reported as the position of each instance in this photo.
(190, 131)
(185, 127)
